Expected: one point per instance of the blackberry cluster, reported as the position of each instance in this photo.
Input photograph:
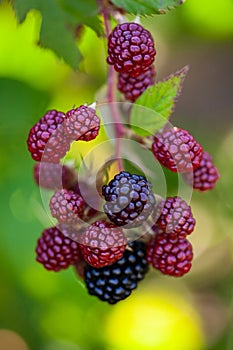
(116, 281)
(100, 244)
(129, 199)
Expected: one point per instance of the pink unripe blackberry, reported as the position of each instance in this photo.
(66, 206)
(102, 244)
(82, 124)
(55, 251)
(53, 176)
(130, 49)
(177, 150)
(176, 217)
(131, 87)
(172, 256)
(205, 176)
(47, 138)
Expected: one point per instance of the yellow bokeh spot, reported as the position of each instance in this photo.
(157, 321)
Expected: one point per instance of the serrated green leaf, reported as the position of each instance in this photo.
(147, 7)
(154, 107)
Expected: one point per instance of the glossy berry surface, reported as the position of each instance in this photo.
(172, 256)
(66, 206)
(176, 217)
(129, 199)
(102, 244)
(130, 49)
(82, 124)
(53, 176)
(177, 150)
(47, 139)
(55, 251)
(205, 176)
(115, 282)
(131, 87)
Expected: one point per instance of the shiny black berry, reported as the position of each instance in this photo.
(129, 199)
(115, 282)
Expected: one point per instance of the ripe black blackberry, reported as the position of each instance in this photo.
(82, 124)
(177, 150)
(115, 282)
(131, 49)
(131, 87)
(66, 206)
(205, 176)
(171, 255)
(53, 176)
(176, 217)
(47, 140)
(102, 243)
(55, 251)
(129, 199)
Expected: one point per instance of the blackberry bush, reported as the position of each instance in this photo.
(99, 220)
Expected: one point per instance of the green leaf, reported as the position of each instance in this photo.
(59, 20)
(147, 7)
(154, 107)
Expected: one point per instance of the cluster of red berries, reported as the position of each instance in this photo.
(131, 51)
(98, 243)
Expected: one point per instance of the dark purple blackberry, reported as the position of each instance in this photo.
(131, 87)
(129, 199)
(66, 206)
(47, 140)
(53, 176)
(205, 176)
(176, 217)
(55, 251)
(131, 49)
(115, 282)
(102, 243)
(177, 150)
(82, 124)
(172, 256)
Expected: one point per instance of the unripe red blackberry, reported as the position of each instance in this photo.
(177, 150)
(131, 87)
(205, 176)
(129, 199)
(115, 282)
(131, 49)
(47, 140)
(176, 217)
(171, 255)
(55, 251)
(102, 244)
(82, 124)
(53, 176)
(66, 206)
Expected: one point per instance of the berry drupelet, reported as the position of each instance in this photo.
(177, 150)
(176, 217)
(129, 199)
(205, 176)
(53, 176)
(131, 87)
(171, 255)
(82, 124)
(47, 140)
(115, 282)
(66, 206)
(102, 244)
(55, 251)
(130, 49)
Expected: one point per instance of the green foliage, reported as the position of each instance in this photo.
(147, 7)
(161, 99)
(59, 20)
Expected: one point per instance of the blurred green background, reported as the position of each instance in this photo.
(53, 311)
